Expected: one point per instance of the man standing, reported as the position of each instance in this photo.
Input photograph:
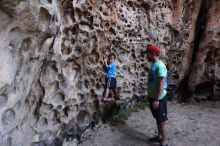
(157, 84)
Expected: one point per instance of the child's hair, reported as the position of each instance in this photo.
(112, 55)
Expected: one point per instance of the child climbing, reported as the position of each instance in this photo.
(110, 79)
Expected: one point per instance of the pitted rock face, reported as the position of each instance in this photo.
(53, 56)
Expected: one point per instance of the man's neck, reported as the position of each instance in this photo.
(156, 59)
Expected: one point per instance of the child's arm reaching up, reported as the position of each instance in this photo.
(117, 67)
(105, 65)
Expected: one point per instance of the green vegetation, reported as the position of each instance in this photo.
(124, 114)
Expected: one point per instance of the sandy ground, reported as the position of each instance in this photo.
(189, 125)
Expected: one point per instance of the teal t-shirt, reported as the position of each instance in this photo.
(158, 69)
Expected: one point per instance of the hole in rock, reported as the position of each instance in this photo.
(66, 51)
(105, 13)
(58, 98)
(8, 117)
(78, 50)
(73, 41)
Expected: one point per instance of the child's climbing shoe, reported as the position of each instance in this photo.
(103, 99)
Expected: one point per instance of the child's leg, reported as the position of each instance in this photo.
(115, 94)
(106, 93)
(108, 85)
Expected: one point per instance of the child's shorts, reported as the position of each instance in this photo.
(110, 83)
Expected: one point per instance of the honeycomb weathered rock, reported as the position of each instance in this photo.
(52, 56)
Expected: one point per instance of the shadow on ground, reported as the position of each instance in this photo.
(132, 137)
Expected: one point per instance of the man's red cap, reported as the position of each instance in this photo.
(153, 49)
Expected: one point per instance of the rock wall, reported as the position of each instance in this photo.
(52, 57)
(204, 80)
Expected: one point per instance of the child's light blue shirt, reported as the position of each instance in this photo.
(112, 71)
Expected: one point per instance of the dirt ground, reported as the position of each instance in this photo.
(195, 124)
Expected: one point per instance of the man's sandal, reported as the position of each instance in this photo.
(155, 139)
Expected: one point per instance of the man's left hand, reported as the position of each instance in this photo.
(156, 104)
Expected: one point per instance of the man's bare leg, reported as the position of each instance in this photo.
(159, 129)
(163, 132)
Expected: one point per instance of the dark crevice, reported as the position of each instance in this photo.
(39, 102)
(200, 26)
(43, 69)
(183, 89)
